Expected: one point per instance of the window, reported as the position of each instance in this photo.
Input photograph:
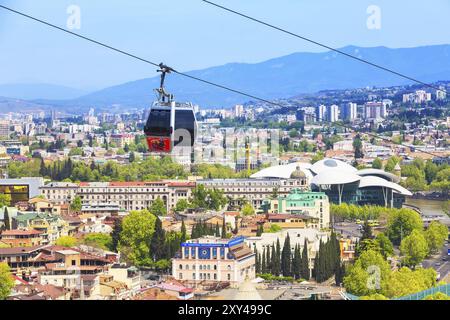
(181, 267)
(229, 277)
(181, 276)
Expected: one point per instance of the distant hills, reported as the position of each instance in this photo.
(281, 77)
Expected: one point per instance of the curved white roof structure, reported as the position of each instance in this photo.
(373, 181)
(378, 172)
(282, 171)
(334, 177)
(336, 165)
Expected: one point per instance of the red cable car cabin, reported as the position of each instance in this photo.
(170, 124)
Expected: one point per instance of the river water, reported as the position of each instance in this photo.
(427, 206)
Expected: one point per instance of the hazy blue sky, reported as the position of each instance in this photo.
(188, 34)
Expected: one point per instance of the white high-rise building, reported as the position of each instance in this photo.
(320, 113)
(4, 129)
(441, 94)
(349, 111)
(238, 110)
(332, 113)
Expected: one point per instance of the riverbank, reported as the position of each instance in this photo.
(437, 196)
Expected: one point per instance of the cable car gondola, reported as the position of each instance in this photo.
(169, 123)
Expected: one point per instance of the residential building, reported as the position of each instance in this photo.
(21, 238)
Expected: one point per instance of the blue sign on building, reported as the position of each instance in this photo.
(13, 151)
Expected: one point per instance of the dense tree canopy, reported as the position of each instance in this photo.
(6, 281)
(137, 230)
(414, 248)
(436, 234)
(401, 223)
(66, 241)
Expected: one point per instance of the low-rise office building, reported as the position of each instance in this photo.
(126, 195)
(212, 259)
(312, 207)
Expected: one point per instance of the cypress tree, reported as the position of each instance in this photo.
(217, 231)
(224, 229)
(340, 273)
(158, 240)
(276, 263)
(183, 231)
(286, 257)
(296, 263)
(320, 263)
(115, 235)
(305, 272)
(263, 262)
(6, 219)
(43, 168)
(270, 257)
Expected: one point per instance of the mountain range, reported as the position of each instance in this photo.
(281, 77)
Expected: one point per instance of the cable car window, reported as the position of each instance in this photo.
(158, 123)
(184, 119)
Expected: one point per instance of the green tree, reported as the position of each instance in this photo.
(357, 147)
(158, 207)
(436, 234)
(6, 219)
(157, 242)
(66, 241)
(98, 240)
(248, 210)
(224, 229)
(305, 272)
(286, 257)
(391, 163)
(405, 281)
(6, 281)
(401, 223)
(368, 275)
(385, 245)
(377, 164)
(75, 152)
(296, 263)
(137, 231)
(437, 296)
(76, 204)
(181, 205)
(183, 232)
(414, 248)
(132, 157)
(274, 228)
(317, 157)
(115, 234)
(5, 200)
